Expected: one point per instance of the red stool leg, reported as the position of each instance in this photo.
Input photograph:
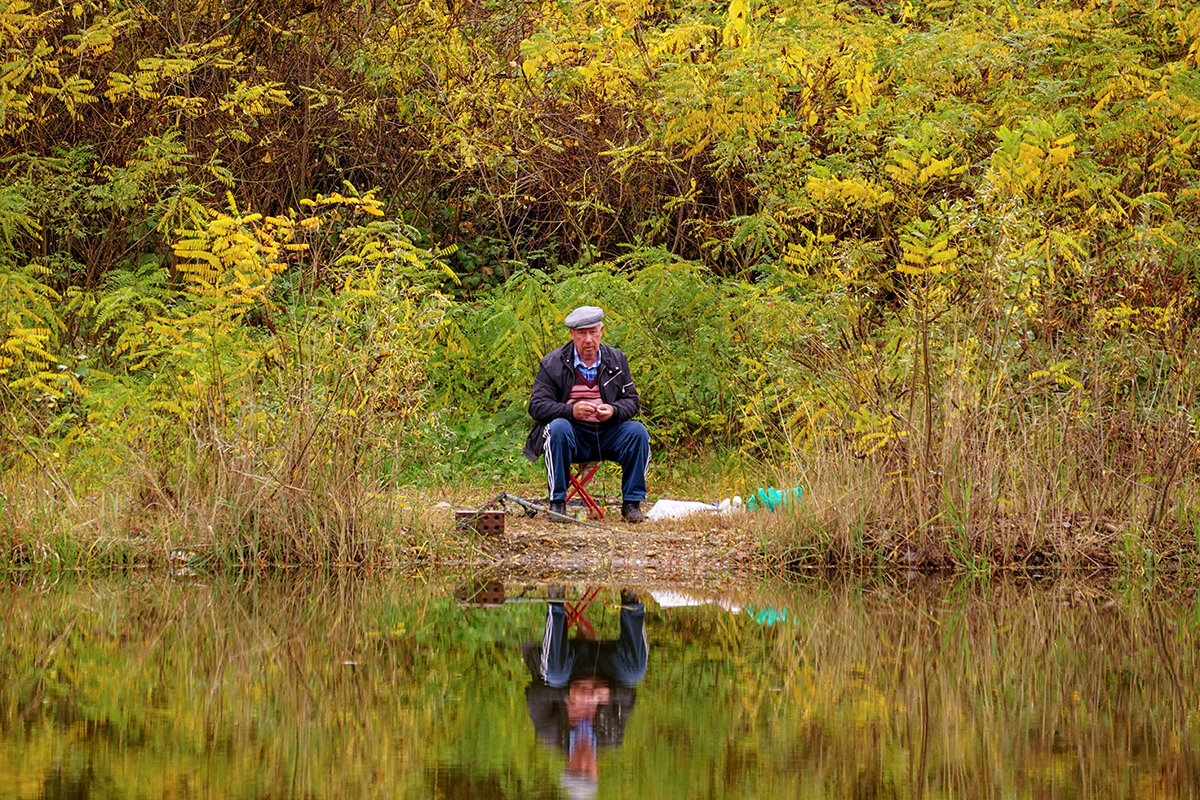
(576, 611)
(577, 484)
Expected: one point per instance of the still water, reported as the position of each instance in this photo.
(314, 687)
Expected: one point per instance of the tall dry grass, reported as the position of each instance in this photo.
(1079, 477)
(303, 473)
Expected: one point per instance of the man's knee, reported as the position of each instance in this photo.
(557, 677)
(638, 431)
(559, 430)
(634, 436)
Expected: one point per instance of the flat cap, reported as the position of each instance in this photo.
(585, 317)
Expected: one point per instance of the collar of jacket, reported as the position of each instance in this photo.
(608, 363)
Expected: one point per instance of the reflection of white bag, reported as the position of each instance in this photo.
(674, 509)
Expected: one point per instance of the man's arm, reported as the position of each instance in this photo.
(544, 404)
(619, 390)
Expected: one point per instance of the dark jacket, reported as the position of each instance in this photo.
(552, 386)
(548, 706)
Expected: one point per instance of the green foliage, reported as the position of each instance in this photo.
(29, 332)
(864, 229)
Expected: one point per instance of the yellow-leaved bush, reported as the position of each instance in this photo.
(211, 356)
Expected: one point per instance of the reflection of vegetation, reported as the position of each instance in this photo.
(280, 687)
(1014, 690)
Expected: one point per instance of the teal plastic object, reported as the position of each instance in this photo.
(772, 498)
(768, 616)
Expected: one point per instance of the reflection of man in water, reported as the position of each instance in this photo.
(582, 691)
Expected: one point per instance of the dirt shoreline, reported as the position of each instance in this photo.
(702, 549)
(716, 550)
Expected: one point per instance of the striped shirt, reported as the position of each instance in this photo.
(589, 390)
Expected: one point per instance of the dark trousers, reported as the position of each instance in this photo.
(623, 662)
(566, 443)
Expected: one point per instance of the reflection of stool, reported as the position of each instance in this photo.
(576, 611)
(579, 480)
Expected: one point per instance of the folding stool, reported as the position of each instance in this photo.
(576, 611)
(579, 480)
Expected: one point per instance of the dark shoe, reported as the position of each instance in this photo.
(558, 507)
(631, 511)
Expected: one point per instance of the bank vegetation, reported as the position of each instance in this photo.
(270, 272)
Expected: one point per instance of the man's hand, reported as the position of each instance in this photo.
(584, 410)
(591, 412)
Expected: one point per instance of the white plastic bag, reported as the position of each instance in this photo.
(675, 509)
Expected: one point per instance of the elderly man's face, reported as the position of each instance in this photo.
(584, 696)
(587, 343)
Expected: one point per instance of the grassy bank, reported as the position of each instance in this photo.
(850, 518)
(328, 437)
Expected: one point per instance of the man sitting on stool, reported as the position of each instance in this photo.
(583, 403)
